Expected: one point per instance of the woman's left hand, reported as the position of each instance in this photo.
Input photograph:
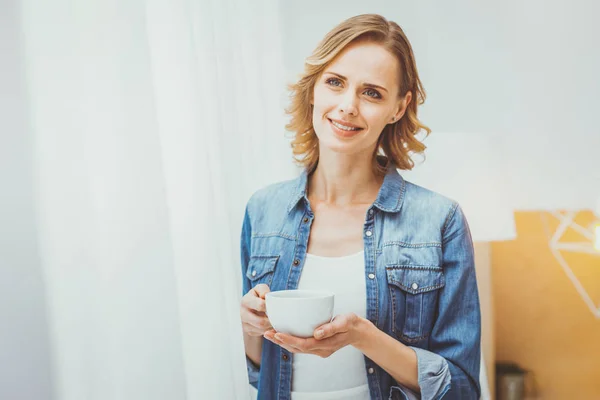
(326, 340)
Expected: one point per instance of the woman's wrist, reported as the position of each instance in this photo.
(253, 347)
(397, 359)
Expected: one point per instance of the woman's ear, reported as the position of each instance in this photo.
(402, 106)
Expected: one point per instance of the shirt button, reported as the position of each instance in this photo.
(285, 357)
(253, 273)
(415, 286)
(371, 276)
(368, 233)
(296, 262)
(305, 219)
(371, 212)
(371, 370)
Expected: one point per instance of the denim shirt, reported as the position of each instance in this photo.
(419, 275)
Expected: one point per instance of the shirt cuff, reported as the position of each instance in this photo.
(401, 392)
(434, 374)
(253, 372)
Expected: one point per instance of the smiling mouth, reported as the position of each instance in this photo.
(344, 127)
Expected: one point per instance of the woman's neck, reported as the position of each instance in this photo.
(344, 184)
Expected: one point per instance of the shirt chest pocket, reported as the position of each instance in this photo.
(414, 292)
(261, 269)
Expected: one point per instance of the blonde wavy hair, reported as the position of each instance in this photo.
(397, 141)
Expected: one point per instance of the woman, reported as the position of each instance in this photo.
(399, 257)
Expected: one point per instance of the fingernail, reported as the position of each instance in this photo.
(277, 336)
(319, 333)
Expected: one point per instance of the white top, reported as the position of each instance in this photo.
(342, 375)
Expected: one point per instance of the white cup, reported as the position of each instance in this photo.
(299, 312)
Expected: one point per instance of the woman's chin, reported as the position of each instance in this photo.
(338, 146)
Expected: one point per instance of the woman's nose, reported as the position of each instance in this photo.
(349, 104)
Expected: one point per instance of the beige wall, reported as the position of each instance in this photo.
(542, 323)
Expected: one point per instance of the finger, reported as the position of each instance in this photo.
(260, 323)
(269, 334)
(289, 348)
(259, 305)
(261, 290)
(250, 330)
(340, 324)
(254, 302)
(265, 324)
(254, 327)
(301, 344)
(320, 347)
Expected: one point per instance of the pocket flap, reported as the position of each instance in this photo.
(260, 266)
(415, 280)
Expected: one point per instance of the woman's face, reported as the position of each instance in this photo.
(356, 97)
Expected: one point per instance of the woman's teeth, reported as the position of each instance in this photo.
(345, 128)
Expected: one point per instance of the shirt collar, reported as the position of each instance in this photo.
(389, 198)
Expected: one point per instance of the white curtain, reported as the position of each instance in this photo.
(152, 122)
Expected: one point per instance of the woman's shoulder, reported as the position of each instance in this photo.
(425, 204)
(273, 196)
(421, 194)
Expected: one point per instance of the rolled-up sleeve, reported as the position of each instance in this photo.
(450, 369)
(433, 375)
(253, 372)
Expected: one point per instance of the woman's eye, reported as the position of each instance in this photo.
(333, 82)
(337, 83)
(373, 93)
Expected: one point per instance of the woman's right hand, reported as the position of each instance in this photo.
(253, 311)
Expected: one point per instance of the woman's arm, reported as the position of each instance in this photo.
(450, 368)
(253, 346)
(456, 334)
(395, 358)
